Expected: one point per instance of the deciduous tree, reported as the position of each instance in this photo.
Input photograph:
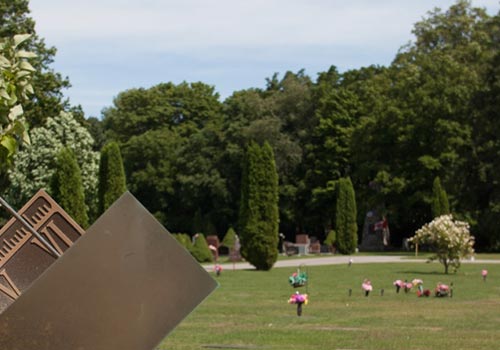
(34, 165)
(48, 99)
(449, 239)
(15, 86)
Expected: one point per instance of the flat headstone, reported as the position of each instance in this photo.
(124, 285)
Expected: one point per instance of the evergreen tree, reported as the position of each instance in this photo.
(200, 249)
(229, 239)
(345, 217)
(184, 240)
(440, 204)
(67, 187)
(111, 176)
(259, 215)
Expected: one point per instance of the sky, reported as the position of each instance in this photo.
(109, 46)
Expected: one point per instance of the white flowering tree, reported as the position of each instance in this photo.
(34, 165)
(450, 240)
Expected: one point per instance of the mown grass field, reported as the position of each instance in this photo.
(249, 311)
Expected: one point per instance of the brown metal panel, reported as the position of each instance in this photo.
(22, 256)
(124, 285)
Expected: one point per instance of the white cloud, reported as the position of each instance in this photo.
(199, 23)
(122, 44)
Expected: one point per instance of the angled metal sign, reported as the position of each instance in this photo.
(124, 285)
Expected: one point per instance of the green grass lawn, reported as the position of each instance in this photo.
(250, 311)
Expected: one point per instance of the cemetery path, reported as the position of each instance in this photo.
(342, 259)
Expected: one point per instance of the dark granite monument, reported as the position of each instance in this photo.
(375, 233)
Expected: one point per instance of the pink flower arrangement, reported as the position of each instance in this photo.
(442, 290)
(484, 273)
(367, 286)
(399, 284)
(298, 298)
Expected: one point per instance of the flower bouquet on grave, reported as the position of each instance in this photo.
(298, 299)
(442, 290)
(367, 287)
(417, 282)
(423, 293)
(420, 288)
(398, 284)
(407, 286)
(298, 279)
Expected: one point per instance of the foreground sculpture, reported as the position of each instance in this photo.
(124, 285)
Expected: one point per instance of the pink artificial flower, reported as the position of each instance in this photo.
(484, 273)
(443, 287)
(367, 286)
(398, 283)
(298, 298)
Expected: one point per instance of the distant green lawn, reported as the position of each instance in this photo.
(249, 311)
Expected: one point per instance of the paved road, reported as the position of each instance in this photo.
(341, 259)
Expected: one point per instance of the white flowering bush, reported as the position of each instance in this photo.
(450, 240)
(34, 165)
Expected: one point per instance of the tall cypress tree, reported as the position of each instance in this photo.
(111, 176)
(345, 217)
(67, 187)
(259, 215)
(440, 204)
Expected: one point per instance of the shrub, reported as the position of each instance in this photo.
(229, 238)
(200, 250)
(184, 240)
(331, 239)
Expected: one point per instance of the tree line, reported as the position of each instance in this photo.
(391, 131)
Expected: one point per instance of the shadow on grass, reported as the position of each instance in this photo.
(436, 273)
